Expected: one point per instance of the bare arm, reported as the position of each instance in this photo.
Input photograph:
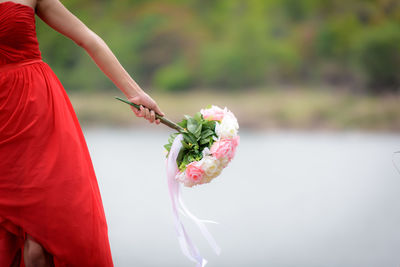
(59, 18)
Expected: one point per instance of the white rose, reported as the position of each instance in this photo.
(211, 168)
(223, 162)
(206, 152)
(181, 177)
(228, 127)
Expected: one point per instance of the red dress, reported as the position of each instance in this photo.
(48, 188)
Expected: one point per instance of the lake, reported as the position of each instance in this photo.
(287, 199)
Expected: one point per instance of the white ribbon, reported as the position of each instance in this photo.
(188, 248)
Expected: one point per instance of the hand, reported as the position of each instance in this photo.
(148, 107)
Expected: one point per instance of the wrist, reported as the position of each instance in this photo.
(131, 89)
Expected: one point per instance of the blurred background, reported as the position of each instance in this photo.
(315, 87)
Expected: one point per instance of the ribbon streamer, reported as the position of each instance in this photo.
(188, 248)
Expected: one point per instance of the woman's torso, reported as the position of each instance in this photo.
(30, 3)
(18, 41)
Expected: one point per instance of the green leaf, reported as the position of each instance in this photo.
(198, 117)
(172, 137)
(209, 125)
(199, 156)
(168, 147)
(197, 132)
(192, 125)
(198, 135)
(183, 123)
(190, 158)
(207, 133)
(189, 138)
(180, 157)
(185, 145)
(204, 141)
(184, 161)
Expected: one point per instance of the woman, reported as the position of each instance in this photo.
(51, 213)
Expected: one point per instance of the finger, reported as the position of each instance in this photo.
(152, 116)
(158, 110)
(142, 111)
(157, 121)
(147, 114)
(136, 111)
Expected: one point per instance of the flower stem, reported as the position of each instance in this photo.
(162, 119)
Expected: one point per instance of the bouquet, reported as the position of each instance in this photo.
(209, 143)
(203, 146)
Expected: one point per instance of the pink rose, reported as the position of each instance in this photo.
(225, 148)
(194, 172)
(213, 114)
(235, 141)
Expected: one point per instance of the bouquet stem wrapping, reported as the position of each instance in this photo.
(162, 119)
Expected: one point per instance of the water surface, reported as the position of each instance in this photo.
(287, 199)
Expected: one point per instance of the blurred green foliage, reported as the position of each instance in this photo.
(181, 44)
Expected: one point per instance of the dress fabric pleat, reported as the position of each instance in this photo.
(48, 188)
